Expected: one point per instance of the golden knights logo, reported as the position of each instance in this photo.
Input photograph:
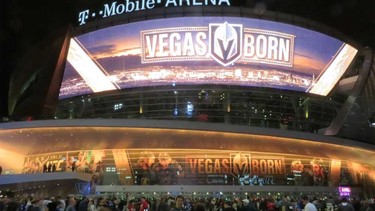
(225, 42)
(241, 164)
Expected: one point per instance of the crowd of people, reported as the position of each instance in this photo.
(184, 203)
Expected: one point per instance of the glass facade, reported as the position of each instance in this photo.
(225, 104)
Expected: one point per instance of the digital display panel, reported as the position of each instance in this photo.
(138, 155)
(344, 191)
(205, 50)
(200, 167)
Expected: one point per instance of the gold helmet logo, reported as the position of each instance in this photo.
(241, 164)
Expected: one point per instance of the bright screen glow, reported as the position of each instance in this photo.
(344, 191)
(205, 50)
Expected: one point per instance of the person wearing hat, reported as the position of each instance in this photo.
(247, 205)
(308, 205)
(228, 206)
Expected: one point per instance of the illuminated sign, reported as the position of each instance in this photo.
(227, 44)
(344, 191)
(205, 50)
(203, 166)
(128, 6)
(268, 166)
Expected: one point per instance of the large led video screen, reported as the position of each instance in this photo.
(205, 50)
(200, 167)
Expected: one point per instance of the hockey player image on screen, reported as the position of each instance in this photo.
(169, 171)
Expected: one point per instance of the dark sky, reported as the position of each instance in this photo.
(25, 23)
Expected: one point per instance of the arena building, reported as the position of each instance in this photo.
(204, 97)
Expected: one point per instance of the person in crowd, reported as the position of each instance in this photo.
(71, 204)
(287, 203)
(171, 204)
(144, 204)
(228, 206)
(131, 205)
(179, 204)
(62, 201)
(213, 204)
(308, 205)
(26, 203)
(317, 203)
(163, 205)
(188, 204)
(356, 203)
(294, 205)
(91, 205)
(247, 205)
(199, 207)
(330, 204)
(270, 204)
(365, 206)
(83, 204)
(121, 205)
(53, 204)
(36, 205)
(345, 205)
(60, 206)
(235, 205)
(102, 204)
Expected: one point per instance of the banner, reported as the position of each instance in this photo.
(200, 167)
